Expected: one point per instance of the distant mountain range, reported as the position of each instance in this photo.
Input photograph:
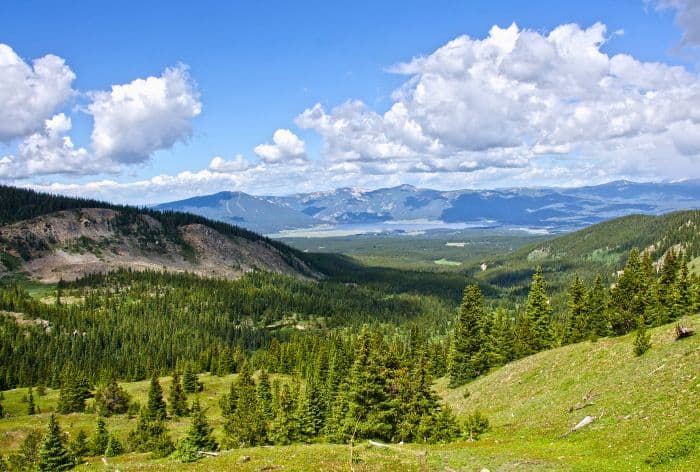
(554, 209)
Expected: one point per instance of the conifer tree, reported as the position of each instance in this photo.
(642, 340)
(199, 434)
(155, 407)
(467, 338)
(245, 425)
(79, 446)
(177, 399)
(53, 456)
(99, 440)
(596, 310)
(114, 447)
(629, 296)
(264, 393)
(285, 426)
(503, 337)
(526, 339)
(151, 433)
(75, 389)
(27, 456)
(312, 412)
(539, 310)
(190, 382)
(368, 415)
(577, 322)
(682, 297)
(31, 408)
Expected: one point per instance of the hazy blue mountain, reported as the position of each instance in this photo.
(552, 208)
(259, 214)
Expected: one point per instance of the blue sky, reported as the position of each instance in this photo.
(249, 69)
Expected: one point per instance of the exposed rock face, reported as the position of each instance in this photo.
(69, 244)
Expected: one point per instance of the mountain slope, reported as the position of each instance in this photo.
(599, 249)
(66, 238)
(255, 213)
(642, 405)
(557, 209)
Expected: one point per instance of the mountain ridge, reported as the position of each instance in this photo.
(52, 238)
(556, 209)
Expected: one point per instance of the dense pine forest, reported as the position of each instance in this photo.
(352, 355)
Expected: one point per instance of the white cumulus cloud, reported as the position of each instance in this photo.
(51, 151)
(237, 164)
(29, 94)
(134, 120)
(505, 100)
(286, 146)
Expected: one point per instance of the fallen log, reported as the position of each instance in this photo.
(581, 424)
(683, 332)
(585, 401)
(207, 453)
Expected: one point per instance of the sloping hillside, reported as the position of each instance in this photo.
(642, 405)
(645, 409)
(601, 248)
(66, 238)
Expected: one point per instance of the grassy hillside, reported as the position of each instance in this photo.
(644, 408)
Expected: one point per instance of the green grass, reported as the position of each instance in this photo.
(646, 411)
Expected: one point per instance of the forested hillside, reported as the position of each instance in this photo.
(599, 249)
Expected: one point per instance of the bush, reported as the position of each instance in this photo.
(475, 425)
(111, 399)
(186, 451)
(114, 447)
(642, 341)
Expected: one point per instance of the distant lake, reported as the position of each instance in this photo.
(405, 227)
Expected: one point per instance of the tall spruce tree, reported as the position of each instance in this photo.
(53, 456)
(368, 415)
(628, 298)
(264, 392)
(190, 381)
(199, 434)
(150, 434)
(312, 410)
(177, 399)
(285, 427)
(156, 409)
(539, 310)
(75, 389)
(99, 440)
(596, 310)
(642, 339)
(577, 314)
(31, 407)
(467, 338)
(503, 335)
(245, 425)
(79, 446)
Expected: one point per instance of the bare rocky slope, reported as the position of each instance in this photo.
(70, 243)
